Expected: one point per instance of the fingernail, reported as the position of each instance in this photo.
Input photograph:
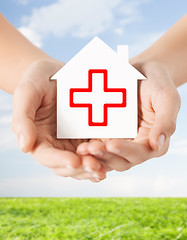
(88, 169)
(97, 179)
(21, 141)
(96, 176)
(161, 140)
(69, 166)
(82, 151)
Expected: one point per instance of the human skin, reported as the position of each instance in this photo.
(156, 125)
(170, 51)
(25, 72)
(164, 65)
(158, 105)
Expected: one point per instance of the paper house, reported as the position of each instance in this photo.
(97, 94)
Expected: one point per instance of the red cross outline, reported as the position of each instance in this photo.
(106, 105)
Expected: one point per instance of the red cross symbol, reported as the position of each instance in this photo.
(121, 92)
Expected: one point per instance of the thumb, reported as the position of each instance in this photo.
(25, 105)
(166, 109)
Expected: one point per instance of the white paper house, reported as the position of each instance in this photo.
(97, 94)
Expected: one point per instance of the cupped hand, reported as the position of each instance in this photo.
(159, 104)
(34, 123)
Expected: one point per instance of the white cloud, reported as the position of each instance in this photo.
(128, 185)
(81, 18)
(147, 186)
(178, 146)
(131, 10)
(119, 31)
(23, 2)
(6, 119)
(31, 35)
(5, 101)
(173, 186)
(8, 139)
(183, 90)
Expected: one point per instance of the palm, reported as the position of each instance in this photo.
(151, 93)
(119, 154)
(34, 119)
(158, 104)
(59, 154)
(147, 92)
(45, 122)
(146, 114)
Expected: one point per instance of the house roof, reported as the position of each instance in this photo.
(96, 50)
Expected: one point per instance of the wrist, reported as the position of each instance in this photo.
(149, 66)
(145, 64)
(40, 70)
(48, 67)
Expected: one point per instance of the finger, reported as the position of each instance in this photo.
(96, 149)
(90, 164)
(52, 157)
(80, 174)
(105, 164)
(96, 176)
(63, 172)
(108, 160)
(166, 109)
(94, 167)
(94, 146)
(85, 177)
(82, 149)
(112, 161)
(133, 153)
(100, 174)
(67, 172)
(25, 105)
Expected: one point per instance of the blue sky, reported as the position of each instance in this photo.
(62, 28)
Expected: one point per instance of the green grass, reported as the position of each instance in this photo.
(93, 218)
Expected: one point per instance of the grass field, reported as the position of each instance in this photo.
(93, 218)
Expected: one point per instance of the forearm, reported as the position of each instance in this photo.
(171, 51)
(16, 55)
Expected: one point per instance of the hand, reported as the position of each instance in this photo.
(34, 123)
(159, 103)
